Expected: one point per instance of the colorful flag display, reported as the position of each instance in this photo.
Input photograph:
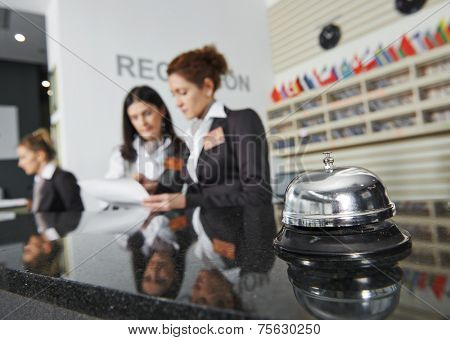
(276, 96)
(408, 45)
(417, 281)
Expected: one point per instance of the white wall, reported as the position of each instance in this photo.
(85, 38)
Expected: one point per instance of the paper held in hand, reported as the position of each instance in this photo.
(121, 191)
(13, 203)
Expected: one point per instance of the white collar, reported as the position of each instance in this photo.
(199, 129)
(217, 110)
(153, 145)
(51, 234)
(167, 142)
(47, 172)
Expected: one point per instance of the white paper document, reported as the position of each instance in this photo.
(13, 203)
(7, 216)
(121, 191)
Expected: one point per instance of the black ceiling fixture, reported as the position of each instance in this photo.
(409, 6)
(329, 36)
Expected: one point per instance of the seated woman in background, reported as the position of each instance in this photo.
(151, 152)
(54, 190)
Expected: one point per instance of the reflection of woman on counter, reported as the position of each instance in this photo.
(229, 250)
(212, 288)
(151, 152)
(216, 247)
(228, 162)
(54, 189)
(158, 257)
(42, 252)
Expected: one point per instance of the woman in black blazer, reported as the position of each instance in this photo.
(228, 162)
(54, 189)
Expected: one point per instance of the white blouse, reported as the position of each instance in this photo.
(39, 180)
(149, 161)
(198, 130)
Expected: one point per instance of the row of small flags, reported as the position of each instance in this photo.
(417, 43)
(438, 283)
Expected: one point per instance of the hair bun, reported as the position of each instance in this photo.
(43, 135)
(40, 140)
(199, 64)
(213, 57)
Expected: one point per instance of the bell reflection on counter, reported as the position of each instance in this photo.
(340, 214)
(350, 294)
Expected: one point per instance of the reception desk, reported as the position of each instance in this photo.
(96, 265)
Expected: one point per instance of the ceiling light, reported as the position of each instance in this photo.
(45, 83)
(19, 37)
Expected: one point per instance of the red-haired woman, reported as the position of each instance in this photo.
(228, 162)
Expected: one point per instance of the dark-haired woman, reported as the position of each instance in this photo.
(158, 255)
(54, 189)
(228, 161)
(151, 152)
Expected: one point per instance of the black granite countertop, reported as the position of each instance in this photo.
(124, 264)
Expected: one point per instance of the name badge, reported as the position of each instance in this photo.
(225, 249)
(173, 163)
(213, 138)
(178, 223)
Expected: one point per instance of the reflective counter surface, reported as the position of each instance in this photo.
(127, 264)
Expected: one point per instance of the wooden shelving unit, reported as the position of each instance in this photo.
(406, 99)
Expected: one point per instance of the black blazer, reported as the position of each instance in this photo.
(60, 193)
(24, 225)
(242, 236)
(172, 179)
(63, 222)
(235, 172)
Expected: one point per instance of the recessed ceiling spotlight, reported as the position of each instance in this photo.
(50, 92)
(19, 37)
(45, 83)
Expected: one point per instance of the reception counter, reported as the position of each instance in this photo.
(127, 264)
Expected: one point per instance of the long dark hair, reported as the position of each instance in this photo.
(148, 95)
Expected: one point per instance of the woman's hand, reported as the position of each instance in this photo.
(148, 185)
(166, 202)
